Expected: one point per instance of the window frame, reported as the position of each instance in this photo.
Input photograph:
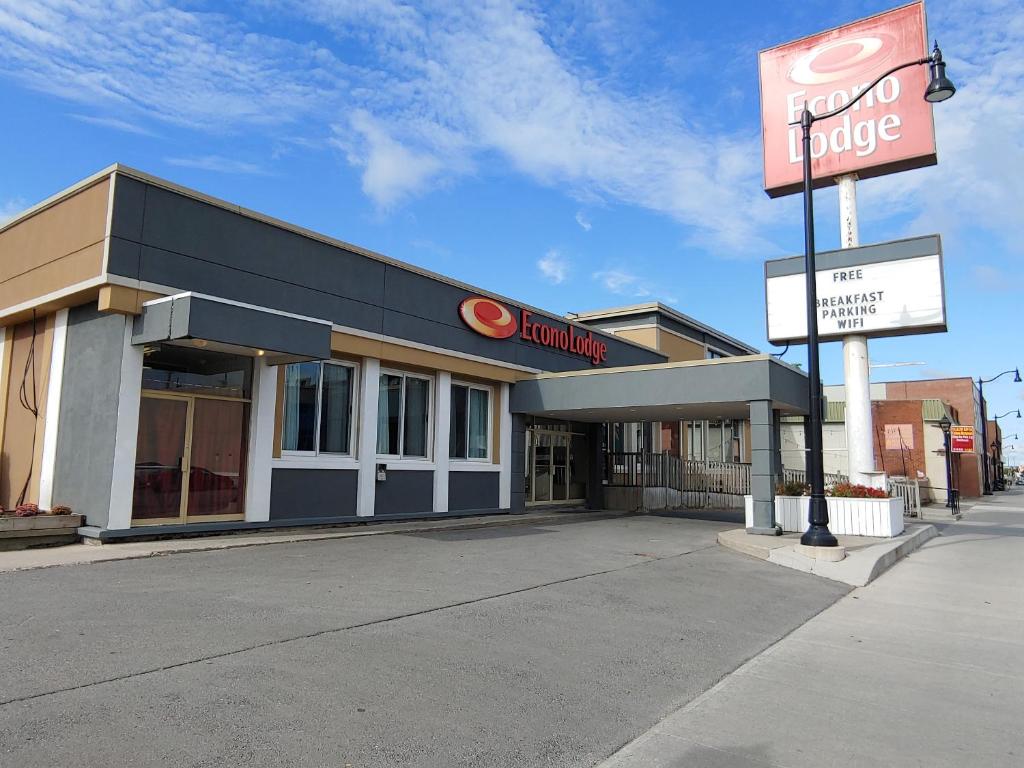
(431, 417)
(353, 414)
(490, 422)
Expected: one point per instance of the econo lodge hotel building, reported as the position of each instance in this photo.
(175, 363)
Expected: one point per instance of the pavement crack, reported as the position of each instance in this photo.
(646, 561)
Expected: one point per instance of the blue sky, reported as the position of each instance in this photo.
(572, 155)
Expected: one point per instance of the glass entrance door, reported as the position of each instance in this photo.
(189, 460)
(551, 472)
(193, 431)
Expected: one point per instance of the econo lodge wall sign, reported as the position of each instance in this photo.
(493, 320)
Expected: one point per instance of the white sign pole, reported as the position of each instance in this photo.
(859, 445)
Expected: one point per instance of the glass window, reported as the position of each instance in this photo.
(336, 409)
(714, 444)
(469, 433)
(417, 405)
(196, 371)
(479, 419)
(403, 415)
(389, 408)
(318, 408)
(695, 440)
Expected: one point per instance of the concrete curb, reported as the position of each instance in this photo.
(82, 554)
(862, 564)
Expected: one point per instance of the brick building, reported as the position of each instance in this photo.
(908, 439)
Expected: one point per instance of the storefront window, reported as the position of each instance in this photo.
(715, 440)
(469, 436)
(194, 371)
(695, 440)
(318, 408)
(403, 411)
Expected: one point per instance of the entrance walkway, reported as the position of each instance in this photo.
(925, 666)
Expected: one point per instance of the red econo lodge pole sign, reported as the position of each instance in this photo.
(889, 130)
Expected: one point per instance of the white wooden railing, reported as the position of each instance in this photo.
(908, 489)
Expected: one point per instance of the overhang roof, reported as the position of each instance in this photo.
(699, 389)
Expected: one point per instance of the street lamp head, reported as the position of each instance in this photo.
(940, 87)
(945, 424)
(1016, 380)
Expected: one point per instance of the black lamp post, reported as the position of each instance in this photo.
(987, 486)
(939, 89)
(944, 425)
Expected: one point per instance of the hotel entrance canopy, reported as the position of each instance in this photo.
(757, 387)
(700, 389)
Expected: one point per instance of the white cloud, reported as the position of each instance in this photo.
(979, 180)
(186, 67)
(622, 282)
(554, 267)
(583, 221)
(418, 96)
(218, 165)
(391, 170)
(990, 278)
(112, 122)
(10, 208)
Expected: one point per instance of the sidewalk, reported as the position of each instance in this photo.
(925, 666)
(80, 554)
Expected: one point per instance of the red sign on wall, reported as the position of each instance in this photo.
(489, 318)
(890, 129)
(961, 439)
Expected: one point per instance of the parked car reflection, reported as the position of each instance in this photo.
(158, 492)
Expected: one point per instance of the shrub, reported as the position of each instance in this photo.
(852, 491)
(792, 488)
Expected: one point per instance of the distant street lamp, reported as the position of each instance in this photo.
(944, 425)
(987, 486)
(939, 89)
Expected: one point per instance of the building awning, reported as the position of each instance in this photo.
(211, 322)
(700, 389)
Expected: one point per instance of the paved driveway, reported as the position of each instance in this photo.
(510, 646)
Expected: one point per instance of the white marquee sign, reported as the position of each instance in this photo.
(889, 297)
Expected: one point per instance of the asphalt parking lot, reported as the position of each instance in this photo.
(508, 646)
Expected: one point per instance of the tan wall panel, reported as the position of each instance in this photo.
(22, 442)
(396, 354)
(646, 336)
(51, 276)
(124, 300)
(679, 349)
(65, 227)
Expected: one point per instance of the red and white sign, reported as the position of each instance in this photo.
(961, 439)
(890, 129)
(496, 321)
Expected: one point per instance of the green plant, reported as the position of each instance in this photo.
(792, 488)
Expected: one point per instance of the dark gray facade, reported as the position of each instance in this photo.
(299, 494)
(194, 317)
(171, 239)
(83, 467)
(472, 491)
(405, 492)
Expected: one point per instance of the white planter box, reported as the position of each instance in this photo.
(848, 517)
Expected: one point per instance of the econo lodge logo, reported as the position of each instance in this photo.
(841, 59)
(487, 317)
